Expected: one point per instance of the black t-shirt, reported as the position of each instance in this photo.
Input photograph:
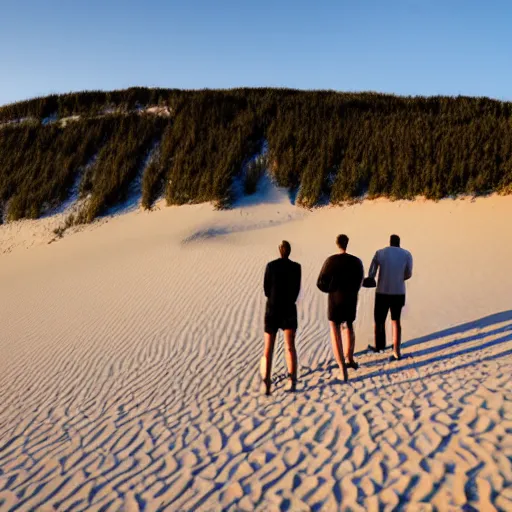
(282, 282)
(341, 277)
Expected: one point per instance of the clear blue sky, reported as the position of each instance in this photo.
(400, 46)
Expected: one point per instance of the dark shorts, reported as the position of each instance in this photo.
(384, 303)
(343, 313)
(280, 318)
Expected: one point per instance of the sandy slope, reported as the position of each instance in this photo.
(129, 364)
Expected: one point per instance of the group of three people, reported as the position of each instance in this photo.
(341, 277)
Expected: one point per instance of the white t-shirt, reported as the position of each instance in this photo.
(395, 267)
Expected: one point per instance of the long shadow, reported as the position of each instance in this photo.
(467, 339)
(443, 357)
(490, 320)
(469, 364)
(486, 321)
(449, 344)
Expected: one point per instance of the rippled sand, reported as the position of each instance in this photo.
(129, 356)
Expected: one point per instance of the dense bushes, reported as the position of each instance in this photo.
(38, 164)
(342, 146)
(118, 162)
(211, 139)
(329, 146)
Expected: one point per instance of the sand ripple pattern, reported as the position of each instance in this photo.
(424, 431)
(152, 402)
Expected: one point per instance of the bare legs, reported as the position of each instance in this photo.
(266, 362)
(290, 354)
(350, 336)
(291, 357)
(337, 348)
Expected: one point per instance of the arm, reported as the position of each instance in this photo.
(324, 279)
(298, 279)
(266, 281)
(374, 266)
(360, 277)
(408, 268)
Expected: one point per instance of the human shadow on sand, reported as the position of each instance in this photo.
(482, 323)
(486, 321)
(486, 359)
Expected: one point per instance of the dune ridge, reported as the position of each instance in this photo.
(130, 352)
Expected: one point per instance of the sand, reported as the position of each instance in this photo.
(129, 355)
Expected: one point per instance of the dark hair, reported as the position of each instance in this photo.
(285, 249)
(342, 242)
(394, 241)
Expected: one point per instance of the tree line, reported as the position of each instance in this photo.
(324, 145)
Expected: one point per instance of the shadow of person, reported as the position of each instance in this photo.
(450, 349)
(439, 352)
(481, 324)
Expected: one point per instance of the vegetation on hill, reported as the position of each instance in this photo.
(328, 146)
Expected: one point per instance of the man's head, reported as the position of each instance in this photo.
(342, 242)
(285, 249)
(394, 241)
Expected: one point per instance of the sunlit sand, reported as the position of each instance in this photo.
(129, 363)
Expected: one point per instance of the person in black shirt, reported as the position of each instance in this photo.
(282, 287)
(341, 277)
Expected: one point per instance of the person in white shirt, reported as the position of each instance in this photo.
(394, 266)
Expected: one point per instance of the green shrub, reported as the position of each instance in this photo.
(328, 145)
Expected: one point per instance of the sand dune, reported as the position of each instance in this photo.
(129, 360)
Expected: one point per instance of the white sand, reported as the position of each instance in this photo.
(129, 364)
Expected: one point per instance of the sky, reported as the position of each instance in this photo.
(406, 47)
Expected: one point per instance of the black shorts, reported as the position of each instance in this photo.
(384, 303)
(280, 318)
(344, 313)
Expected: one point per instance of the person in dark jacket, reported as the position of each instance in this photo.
(282, 287)
(341, 277)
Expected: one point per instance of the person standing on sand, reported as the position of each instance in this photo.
(394, 265)
(341, 277)
(282, 286)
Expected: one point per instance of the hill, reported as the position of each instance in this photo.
(193, 145)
